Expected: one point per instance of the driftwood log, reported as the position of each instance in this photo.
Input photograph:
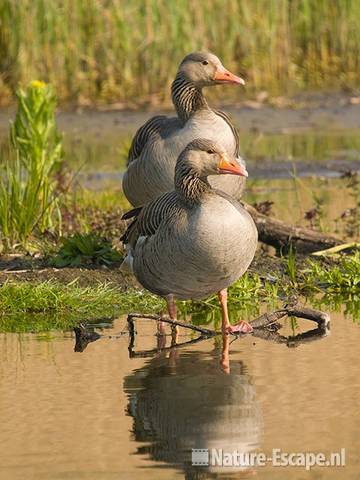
(281, 235)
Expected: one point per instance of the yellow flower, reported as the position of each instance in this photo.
(37, 84)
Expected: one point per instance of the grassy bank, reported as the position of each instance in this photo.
(101, 51)
(47, 305)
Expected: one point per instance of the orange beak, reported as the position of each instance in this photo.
(224, 76)
(232, 167)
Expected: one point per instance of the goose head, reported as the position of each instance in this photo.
(204, 157)
(205, 69)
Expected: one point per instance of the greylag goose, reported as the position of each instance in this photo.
(195, 240)
(158, 143)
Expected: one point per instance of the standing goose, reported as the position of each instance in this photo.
(158, 143)
(195, 240)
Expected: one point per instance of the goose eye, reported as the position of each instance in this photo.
(210, 152)
(205, 62)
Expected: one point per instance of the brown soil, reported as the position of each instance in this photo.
(27, 269)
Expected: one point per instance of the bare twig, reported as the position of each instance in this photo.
(204, 331)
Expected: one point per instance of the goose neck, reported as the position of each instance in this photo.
(190, 186)
(187, 97)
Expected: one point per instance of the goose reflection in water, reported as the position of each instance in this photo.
(195, 399)
(189, 401)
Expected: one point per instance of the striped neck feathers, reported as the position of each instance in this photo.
(189, 185)
(186, 97)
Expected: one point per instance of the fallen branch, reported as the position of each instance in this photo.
(263, 321)
(291, 342)
(267, 319)
(204, 331)
(321, 318)
(261, 325)
(281, 235)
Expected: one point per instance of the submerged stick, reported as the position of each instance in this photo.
(261, 326)
(267, 319)
(261, 322)
(281, 235)
(204, 331)
(321, 318)
(293, 341)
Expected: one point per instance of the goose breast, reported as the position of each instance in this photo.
(199, 251)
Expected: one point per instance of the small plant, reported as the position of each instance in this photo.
(291, 266)
(86, 249)
(343, 278)
(293, 325)
(28, 196)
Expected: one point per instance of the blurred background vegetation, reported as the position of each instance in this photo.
(101, 51)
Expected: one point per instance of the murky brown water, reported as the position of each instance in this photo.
(102, 415)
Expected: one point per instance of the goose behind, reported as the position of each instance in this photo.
(158, 143)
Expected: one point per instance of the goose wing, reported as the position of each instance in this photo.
(152, 127)
(147, 220)
(227, 119)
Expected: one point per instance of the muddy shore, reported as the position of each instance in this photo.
(335, 111)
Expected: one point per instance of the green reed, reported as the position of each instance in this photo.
(114, 50)
(28, 195)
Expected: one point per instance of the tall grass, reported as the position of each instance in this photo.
(115, 50)
(28, 197)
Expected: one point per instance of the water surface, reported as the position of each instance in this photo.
(102, 415)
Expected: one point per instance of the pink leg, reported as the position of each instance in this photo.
(171, 306)
(225, 325)
(241, 327)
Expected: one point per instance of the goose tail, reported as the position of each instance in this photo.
(127, 263)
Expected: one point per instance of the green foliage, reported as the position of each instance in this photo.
(337, 302)
(86, 249)
(291, 269)
(117, 50)
(244, 298)
(50, 297)
(343, 278)
(37, 322)
(50, 305)
(28, 196)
